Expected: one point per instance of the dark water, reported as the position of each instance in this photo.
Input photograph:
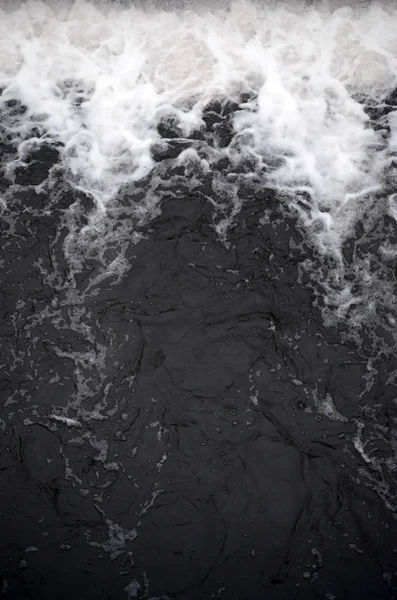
(182, 414)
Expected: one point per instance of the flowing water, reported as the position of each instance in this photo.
(113, 114)
(311, 89)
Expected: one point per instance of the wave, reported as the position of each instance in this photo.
(297, 97)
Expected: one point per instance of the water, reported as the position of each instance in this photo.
(98, 81)
(280, 118)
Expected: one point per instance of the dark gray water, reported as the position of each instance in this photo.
(198, 274)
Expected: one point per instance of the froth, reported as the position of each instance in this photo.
(99, 79)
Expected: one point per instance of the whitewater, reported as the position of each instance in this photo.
(98, 81)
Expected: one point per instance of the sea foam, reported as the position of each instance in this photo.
(99, 79)
(96, 80)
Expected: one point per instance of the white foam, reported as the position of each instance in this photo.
(98, 78)
(69, 422)
(326, 406)
(129, 67)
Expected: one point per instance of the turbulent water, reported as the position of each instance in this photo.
(313, 117)
(199, 227)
